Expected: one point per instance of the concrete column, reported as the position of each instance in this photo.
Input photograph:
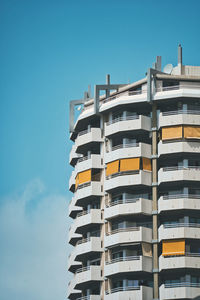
(155, 202)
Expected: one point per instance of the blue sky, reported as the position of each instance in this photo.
(50, 51)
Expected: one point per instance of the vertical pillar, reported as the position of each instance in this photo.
(155, 202)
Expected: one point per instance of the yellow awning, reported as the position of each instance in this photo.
(170, 133)
(112, 167)
(129, 164)
(192, 132)
(173, 247)
(146, 163)
(84, 176)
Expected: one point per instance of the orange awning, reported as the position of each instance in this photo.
(129, 164)
(84, 176)
(170, 133)
(112, 167)
(173, 247)
(192, 132)
(146, 163)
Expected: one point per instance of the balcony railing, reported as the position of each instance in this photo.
(86, 184)
(177, 168)
(83, 158)
(121, 146)
(84, 131)
(177, 225)
(123, 118)
(176, 87)
(118, 202)
(83, 241)
(132, 172)
(181, 112)
(182, 284)
(125, 258)
(122, 289)
(80, 270)
(127, 229)
(181, 196)
(83, 213)
(176, 254)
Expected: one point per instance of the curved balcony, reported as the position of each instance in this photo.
(86, 219)
(190, 260)
(73, 237)
(178, 91)
(179, 117)
(88, 162)
(128, 207)
(184, 290)
(128, 178)
(130, 293)
(87, 275)
(179, 231)
(73, 265)
(129, 97)
(72, 293)
(73, 209)
(87, 137)
(73, 157)
(128, 264)
(128, 150)
(128, 235)
(72, 182)
(129, 123)
(174, 174)
(179, 202)
(87, 191)
(85, 247)
(178, 147)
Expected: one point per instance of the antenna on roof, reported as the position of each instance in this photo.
(179, 55)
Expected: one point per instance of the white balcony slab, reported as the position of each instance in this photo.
(123, 99)
(179, 119)
(178, 292)
(178, 233)
(92, 217)
(74, 156)
(138, 206)
(72, 181)
(144, 293)
(178, 92)
(73, 209)
(143, 264)
(93, 244)
(94, 135)
(178, 204)
(94, 189)
(139, 150)
(88, 276)
(140, 178)
(72, 293)
(141, 234)
(73, 237)
(166, 263)
(178, 175)
(178, 147)
(142, 123)
(73, 265)
(92, 162)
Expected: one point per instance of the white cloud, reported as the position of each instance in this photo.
(33, 245)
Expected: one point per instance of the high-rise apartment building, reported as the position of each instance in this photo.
(136, 185)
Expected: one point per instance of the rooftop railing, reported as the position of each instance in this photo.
(177, 87)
